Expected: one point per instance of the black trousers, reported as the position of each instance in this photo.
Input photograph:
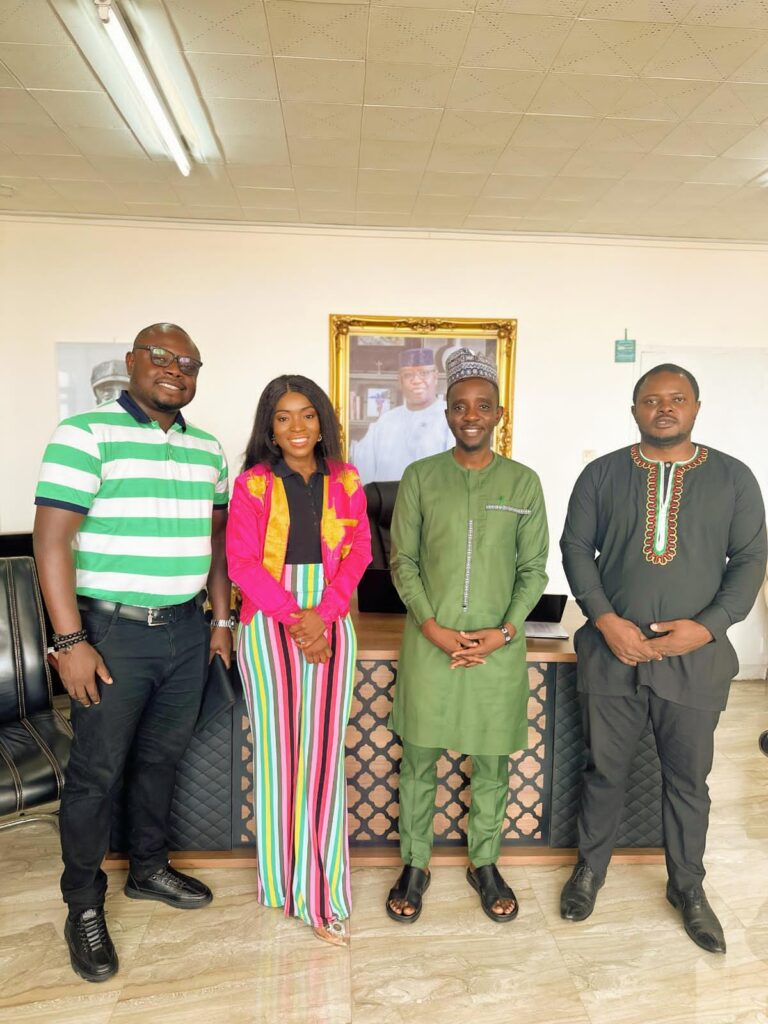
(141, 729)
(685, 743)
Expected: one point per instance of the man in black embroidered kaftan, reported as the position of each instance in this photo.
(664, 548)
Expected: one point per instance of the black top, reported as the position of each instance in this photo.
(657, 541)
(305, 509)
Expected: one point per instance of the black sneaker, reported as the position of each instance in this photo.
(169, 886)
(91, 951)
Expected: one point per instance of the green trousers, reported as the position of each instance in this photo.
(418, 786)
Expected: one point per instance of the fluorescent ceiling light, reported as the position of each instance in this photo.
(126, 50)
(142, 34)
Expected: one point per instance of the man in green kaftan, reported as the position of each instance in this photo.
(469, 550)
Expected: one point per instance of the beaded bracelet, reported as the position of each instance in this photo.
(65, 641)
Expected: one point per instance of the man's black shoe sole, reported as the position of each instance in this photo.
(132, 894)
(86, 976)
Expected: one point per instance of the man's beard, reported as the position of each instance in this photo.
(666, 441)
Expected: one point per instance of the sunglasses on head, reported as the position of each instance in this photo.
(164, 357)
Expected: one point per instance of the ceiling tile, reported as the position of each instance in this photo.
(7, 80)
(405, 124)
(250, 149)
(407, 85)
(451, 206)
(261, 119)
(394, 156)
(726, 105)
(700, 194)
(262, 215)
(302, 79)
(477, 128)
(545, 131)
(550, 8)
(12, 166)
(29, 21)
(323, 152)
(753, 146)
(576, 189)
(375, 219)
(332, 178)
(261, 175)
(451, 183)
(584, 95)
(629, 135)
(162, 211)
(385, 202)
(23, 139)
(452, 157)
(300, 29)
(268, 198)
(704, 139)
(19, 107)
(754, 69)
(735, 13)
(611, 47)
(79, 109)
(632, 10)
(726, 171)
(657, 166)
(502, 206)
(518, 41)
(532, 162)
(47, 67)
(205, 193)
(83, 192)
(235, 75)
(216, 213)
(697, 51)
(141, 169)
(444, 5)
(105, 142)
(590, 162)
(328, 216)
(415, 35)
(512, 185)
(395, 182)
(145, 192)
(221, 26)
(493, 89)
(325, 199)
(507, 225)
(74, 167)
(679, 95)
(322, 121)
(636, 193)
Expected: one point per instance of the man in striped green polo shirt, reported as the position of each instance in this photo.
(131, 515)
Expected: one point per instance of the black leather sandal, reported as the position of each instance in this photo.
(410, 887)
(488, 883)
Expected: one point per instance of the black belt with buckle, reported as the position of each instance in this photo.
(149, 616)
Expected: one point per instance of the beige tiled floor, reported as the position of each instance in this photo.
(237, 963)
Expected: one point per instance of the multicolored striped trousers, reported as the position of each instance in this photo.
(299, 715)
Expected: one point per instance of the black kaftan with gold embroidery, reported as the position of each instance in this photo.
(658, 541)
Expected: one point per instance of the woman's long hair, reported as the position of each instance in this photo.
(261, 447)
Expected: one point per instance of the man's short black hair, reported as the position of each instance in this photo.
(667, 368)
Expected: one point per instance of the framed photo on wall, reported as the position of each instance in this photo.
(388, 385)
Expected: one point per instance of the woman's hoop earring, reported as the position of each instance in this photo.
(319, 438)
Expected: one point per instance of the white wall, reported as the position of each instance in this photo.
(257, 302)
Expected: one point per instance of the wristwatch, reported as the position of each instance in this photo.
(224, 623)
(506, 634)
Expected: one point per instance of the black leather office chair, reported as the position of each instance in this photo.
(376, 591)
(34, 738)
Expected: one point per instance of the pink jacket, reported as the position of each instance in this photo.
(257, 539)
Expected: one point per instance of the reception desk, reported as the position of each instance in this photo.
(212, 811)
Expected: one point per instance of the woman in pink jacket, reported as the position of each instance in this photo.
(297, 544)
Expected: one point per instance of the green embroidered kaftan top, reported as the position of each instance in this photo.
(469, 549)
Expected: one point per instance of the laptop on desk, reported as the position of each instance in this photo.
(543, 623)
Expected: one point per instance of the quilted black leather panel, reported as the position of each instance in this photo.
(641, 821)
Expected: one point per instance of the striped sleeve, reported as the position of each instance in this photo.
(221, 495)
(70, 475)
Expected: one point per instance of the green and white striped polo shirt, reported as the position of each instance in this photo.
(147, 497)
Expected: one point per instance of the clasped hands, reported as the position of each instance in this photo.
(309, 634)
(630, 645)
(465, 648)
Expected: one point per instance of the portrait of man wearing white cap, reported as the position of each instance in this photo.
(410, 431)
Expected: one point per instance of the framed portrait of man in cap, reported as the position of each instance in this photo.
(388, 385)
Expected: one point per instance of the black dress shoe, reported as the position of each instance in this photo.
(169, 886)
(91, 952)
(577, 900)
(763, 742)
(699, 919)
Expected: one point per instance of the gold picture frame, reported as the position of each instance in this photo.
(364, 375)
